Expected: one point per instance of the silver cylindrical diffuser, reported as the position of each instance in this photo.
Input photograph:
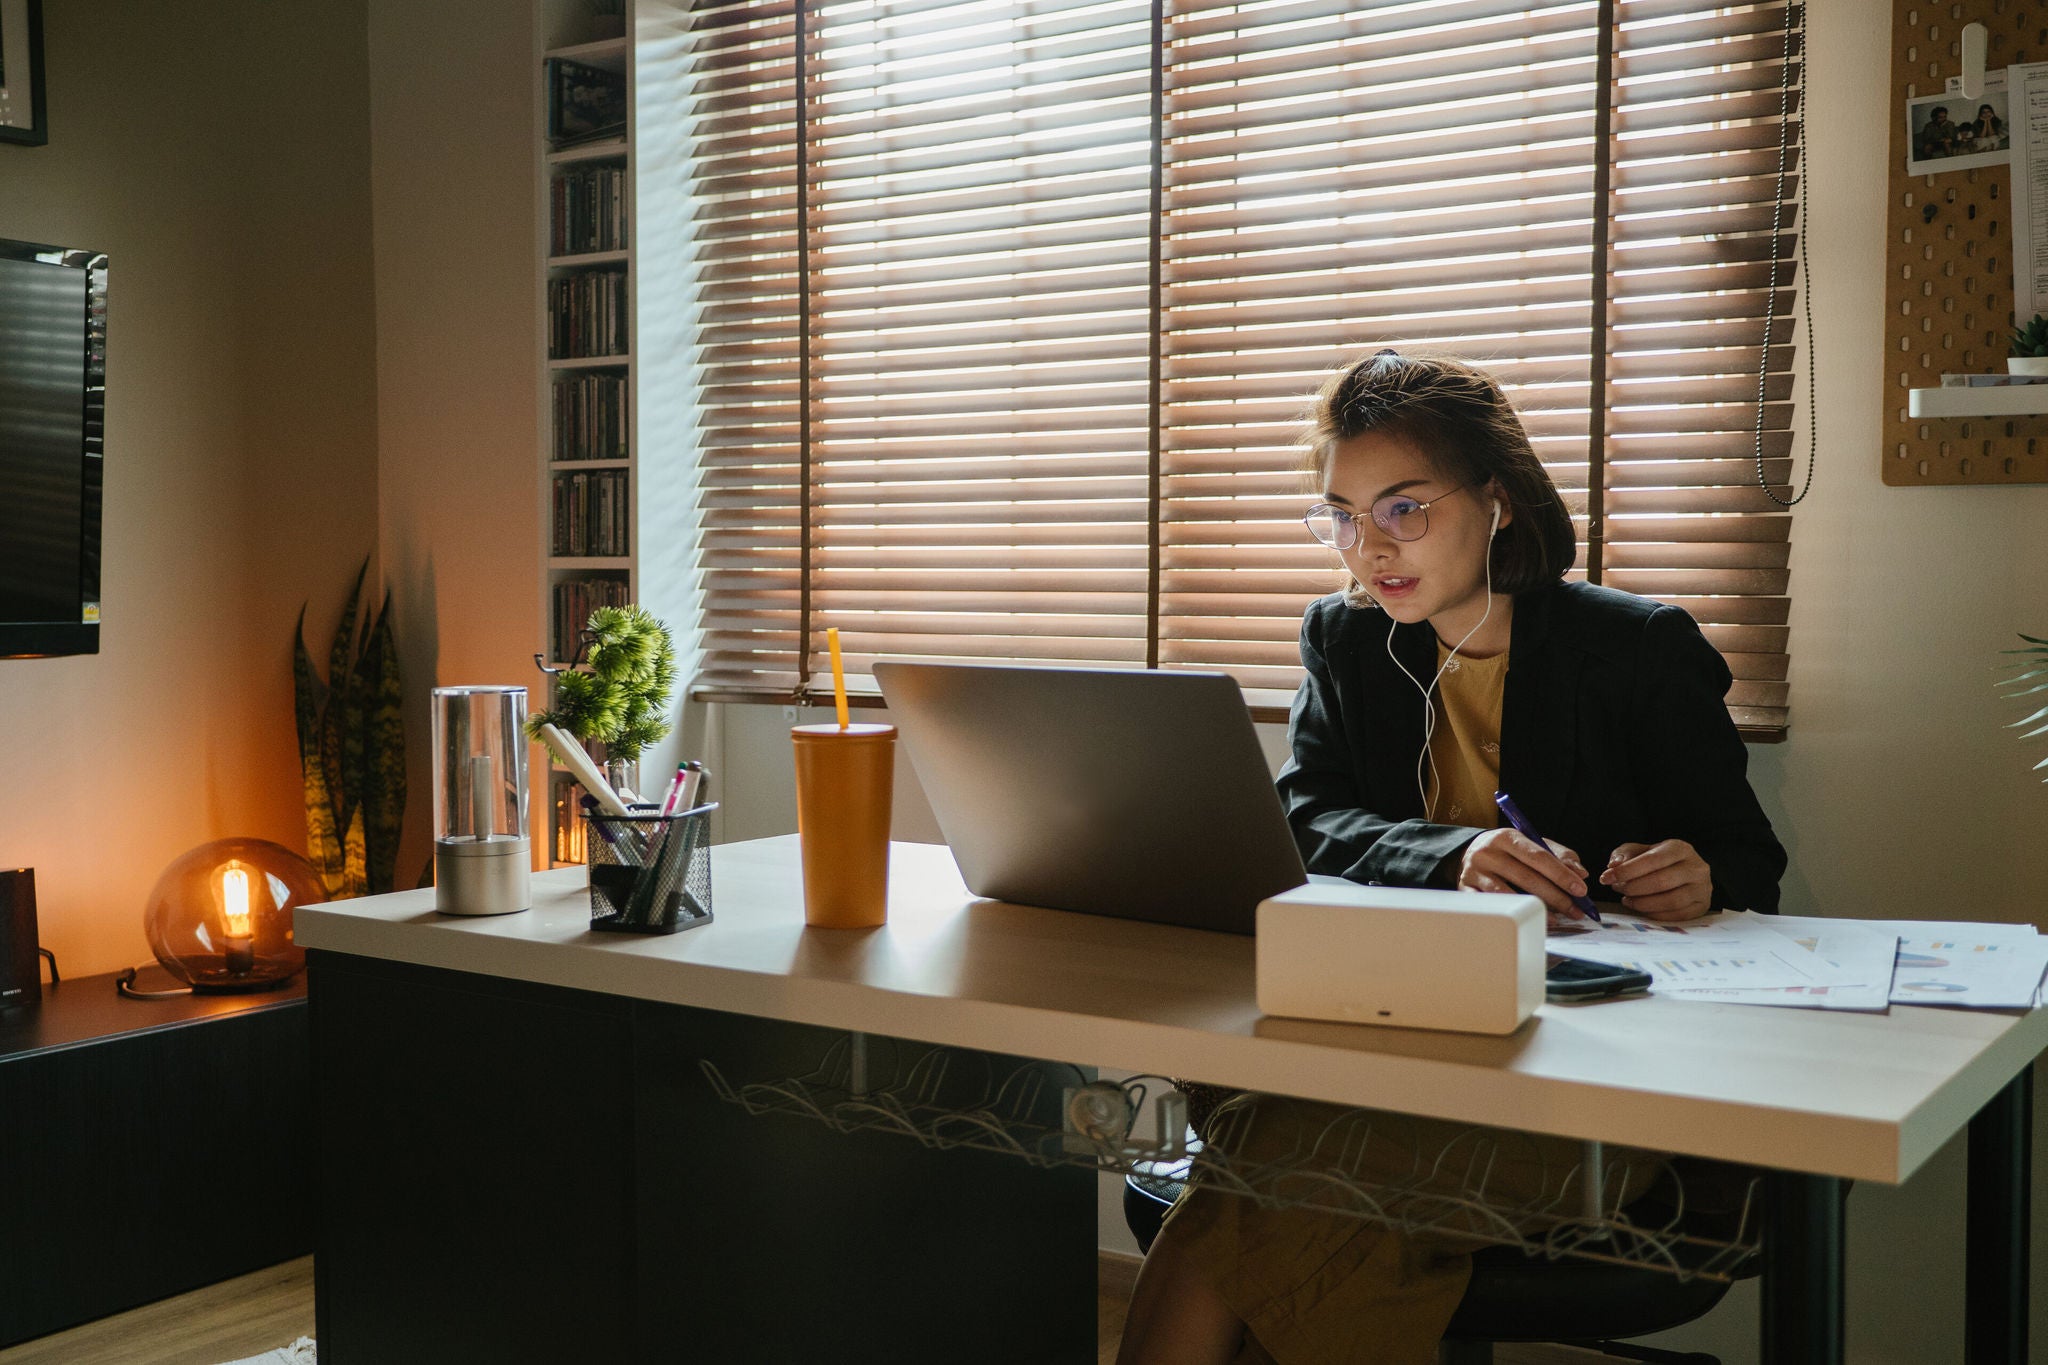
(482, 856)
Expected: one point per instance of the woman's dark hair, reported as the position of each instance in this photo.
(1459, 419)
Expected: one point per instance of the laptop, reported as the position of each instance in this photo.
(1135, 793)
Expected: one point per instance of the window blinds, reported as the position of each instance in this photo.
(1013, 369)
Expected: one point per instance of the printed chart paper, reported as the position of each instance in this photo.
(1965, 968)
(1850, 963)
(2028, 101)
(1719, 951)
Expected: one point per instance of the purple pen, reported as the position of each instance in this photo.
(1521, 822)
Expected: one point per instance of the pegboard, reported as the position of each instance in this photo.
(1948, 278)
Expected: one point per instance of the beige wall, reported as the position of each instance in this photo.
(452, 94)
(219, 154)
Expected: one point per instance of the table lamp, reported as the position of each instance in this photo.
(482, 853)
(219, 919)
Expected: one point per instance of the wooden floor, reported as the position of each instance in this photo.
(274, 1307)
(226, 1321)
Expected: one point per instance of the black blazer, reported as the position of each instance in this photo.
(1613, 730)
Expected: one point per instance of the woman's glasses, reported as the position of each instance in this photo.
(1400, 516)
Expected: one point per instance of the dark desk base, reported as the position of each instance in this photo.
(1803, 1302)
(147, 1148)
(512, 1173)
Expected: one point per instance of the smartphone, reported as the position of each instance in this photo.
(1571, 978)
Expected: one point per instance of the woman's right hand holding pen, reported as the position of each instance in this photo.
(1506, 860)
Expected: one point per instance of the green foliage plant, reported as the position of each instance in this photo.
(2031, 339)
(2030, 667)
(352, 749)
(621, 701)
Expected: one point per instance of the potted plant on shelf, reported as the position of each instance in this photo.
(619, 699)
(2029, 348)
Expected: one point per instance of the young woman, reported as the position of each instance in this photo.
(1458, 663)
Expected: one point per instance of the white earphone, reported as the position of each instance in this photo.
(1426, 759)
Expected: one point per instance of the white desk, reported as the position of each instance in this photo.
(1812, 1093)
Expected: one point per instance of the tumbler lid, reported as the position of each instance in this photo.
(869, 730)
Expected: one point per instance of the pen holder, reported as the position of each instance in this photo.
(650, 874)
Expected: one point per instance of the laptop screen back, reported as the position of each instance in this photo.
(1141, 794)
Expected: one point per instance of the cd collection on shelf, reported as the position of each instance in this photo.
(585, 102)
(587, 210)
(590, 416)
(575, 599)
(587, 314)
(591, 514)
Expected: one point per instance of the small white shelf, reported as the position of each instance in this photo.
(598, 53)
(2005, 400)
(589, 562)
(590, 362)
(572, 465)
(619, 257)
(611, 148)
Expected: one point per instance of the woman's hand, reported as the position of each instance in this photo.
(1509, 861)
(1667, 881)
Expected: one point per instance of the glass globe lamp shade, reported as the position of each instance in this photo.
(220, 917)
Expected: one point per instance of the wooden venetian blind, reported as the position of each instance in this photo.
(1013, 366)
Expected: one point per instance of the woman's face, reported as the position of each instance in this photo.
(1442, 575)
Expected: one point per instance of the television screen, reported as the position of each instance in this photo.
(52, 404)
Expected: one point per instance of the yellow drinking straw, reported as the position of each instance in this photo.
(838, 675)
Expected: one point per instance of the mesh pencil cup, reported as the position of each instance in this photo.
(650, 873)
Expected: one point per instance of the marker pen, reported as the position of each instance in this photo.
(1521, 822)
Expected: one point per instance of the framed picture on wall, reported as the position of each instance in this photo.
(21, 72)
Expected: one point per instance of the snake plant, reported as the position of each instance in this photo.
(352, 750)
(2030, 667)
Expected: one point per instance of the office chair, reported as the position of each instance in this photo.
(1514, 1297)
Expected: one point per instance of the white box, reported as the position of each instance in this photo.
(1401, 957)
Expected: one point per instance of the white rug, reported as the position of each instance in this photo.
(300, 1352)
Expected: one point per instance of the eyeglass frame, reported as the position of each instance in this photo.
(1344, 517)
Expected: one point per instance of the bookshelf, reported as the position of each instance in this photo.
(588, 442)
(629, 405)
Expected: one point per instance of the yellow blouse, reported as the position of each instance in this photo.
(1465, 750)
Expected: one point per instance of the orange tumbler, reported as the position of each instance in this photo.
(844, 781)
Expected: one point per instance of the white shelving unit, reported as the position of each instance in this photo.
(658, 568)
(565, 29)
(2005, 400)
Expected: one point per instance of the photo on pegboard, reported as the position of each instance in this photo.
(1949, 133)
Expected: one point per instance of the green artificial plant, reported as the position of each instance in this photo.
(2031, 339)
(352, 750)
(622, 700)
(2030, 667)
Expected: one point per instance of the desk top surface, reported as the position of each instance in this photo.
(84, 1010)
(1864, 1096)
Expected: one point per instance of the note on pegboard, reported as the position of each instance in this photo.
(1948, 277)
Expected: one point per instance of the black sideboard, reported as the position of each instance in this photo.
(147, 1147)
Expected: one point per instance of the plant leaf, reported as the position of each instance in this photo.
(323, 849)
(2038, 715)
(2029, 691)
(383, 802)
(354, 874)
(340, 683)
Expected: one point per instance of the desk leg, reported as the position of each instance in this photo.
(2001, 1159)
(1802, 1280)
